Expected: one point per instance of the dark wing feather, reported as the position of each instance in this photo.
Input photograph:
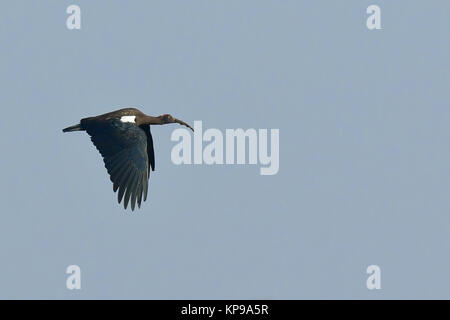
(150, 151)
(123, 147)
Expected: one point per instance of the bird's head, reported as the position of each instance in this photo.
(167, 118)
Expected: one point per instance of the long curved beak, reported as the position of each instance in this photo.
(182, 123)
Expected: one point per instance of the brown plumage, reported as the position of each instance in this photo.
(125, 142)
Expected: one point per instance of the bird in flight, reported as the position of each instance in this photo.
(125, 142)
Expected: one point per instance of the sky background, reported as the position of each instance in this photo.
(364, 149)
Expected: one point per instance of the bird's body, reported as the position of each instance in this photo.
(125, 142)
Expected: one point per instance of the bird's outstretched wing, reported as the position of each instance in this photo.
(123, 147)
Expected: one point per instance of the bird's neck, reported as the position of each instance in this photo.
(150, 120)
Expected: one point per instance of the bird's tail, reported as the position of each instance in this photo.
(76, 127)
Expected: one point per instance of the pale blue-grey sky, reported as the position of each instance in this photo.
(364, 149)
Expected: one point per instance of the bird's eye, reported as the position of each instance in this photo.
(167, 118)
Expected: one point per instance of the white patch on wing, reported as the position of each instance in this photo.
(131, 119)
